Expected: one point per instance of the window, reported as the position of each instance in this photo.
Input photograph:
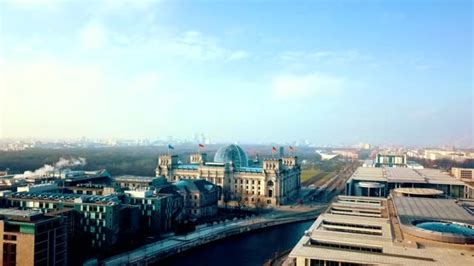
(9, 254)
(9, 237)
(11, 228)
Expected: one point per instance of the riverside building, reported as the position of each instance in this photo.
(102, 218)
(394, 231)
(274, 181)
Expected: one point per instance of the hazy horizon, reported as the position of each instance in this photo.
(252, 72)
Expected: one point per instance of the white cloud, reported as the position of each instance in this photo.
(321, 56)
(93, 35)
(306, 86)
(194, 45)
(238, 55)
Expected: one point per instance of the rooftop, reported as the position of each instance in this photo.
(71, 198)
(402, 174)
(18, 213)
(366, 230)
(410, 209)
(419, 191)
(195, 185)
(134, 178)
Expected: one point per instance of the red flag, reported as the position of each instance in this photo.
(274, 149)
(201, 146)
(291, 148)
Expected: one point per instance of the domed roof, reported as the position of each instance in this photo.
(231, 153)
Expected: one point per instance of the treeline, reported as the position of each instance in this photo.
(444, 163)
(118, 161)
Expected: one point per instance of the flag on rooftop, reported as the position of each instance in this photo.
(201, 146)
(170, 147)
(274, 149)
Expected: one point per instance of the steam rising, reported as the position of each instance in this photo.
(48, 168)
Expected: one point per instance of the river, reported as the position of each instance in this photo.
(252, 248)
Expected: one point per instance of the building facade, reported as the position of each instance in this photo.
(132, 182)
(274, 181)
(466, 175)
(391, 160)
(30, 238)
(157, 211)
(99, 216)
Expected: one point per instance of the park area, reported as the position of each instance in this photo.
(319, 174)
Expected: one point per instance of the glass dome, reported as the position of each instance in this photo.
(231, 153)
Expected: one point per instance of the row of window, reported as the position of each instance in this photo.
(332, 263)
(364, 226)
(353, 231)
(347, 247)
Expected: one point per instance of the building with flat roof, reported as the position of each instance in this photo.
(29, 238)
(132, 182)
(275, 181)
(379, 181)
(393, 231)
(158, 212)
(43, 187)
(90, 189)
(70, 177)
(99, 217)
(390, 159)
(465, 175)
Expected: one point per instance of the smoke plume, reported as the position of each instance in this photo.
(48, 168)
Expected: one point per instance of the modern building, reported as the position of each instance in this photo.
(391, 159)
(347, 153)
(44, 187)
(379, 181)
(275, 181)
(463, 174)
(327, 156)
(157, 211)
(72, 177)
(31, 238)
(90, 189)
(132, 182)
(200, 197)
(99, 215)
(466, 175)
(393, 231)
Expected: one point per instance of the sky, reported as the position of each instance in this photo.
(382, 72)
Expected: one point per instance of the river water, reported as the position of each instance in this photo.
(251, 248)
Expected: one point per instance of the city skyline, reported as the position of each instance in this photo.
(328, 72)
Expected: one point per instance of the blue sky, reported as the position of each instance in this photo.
(393, 72)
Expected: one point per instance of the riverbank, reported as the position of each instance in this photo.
(246, 249)
(162, 249)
